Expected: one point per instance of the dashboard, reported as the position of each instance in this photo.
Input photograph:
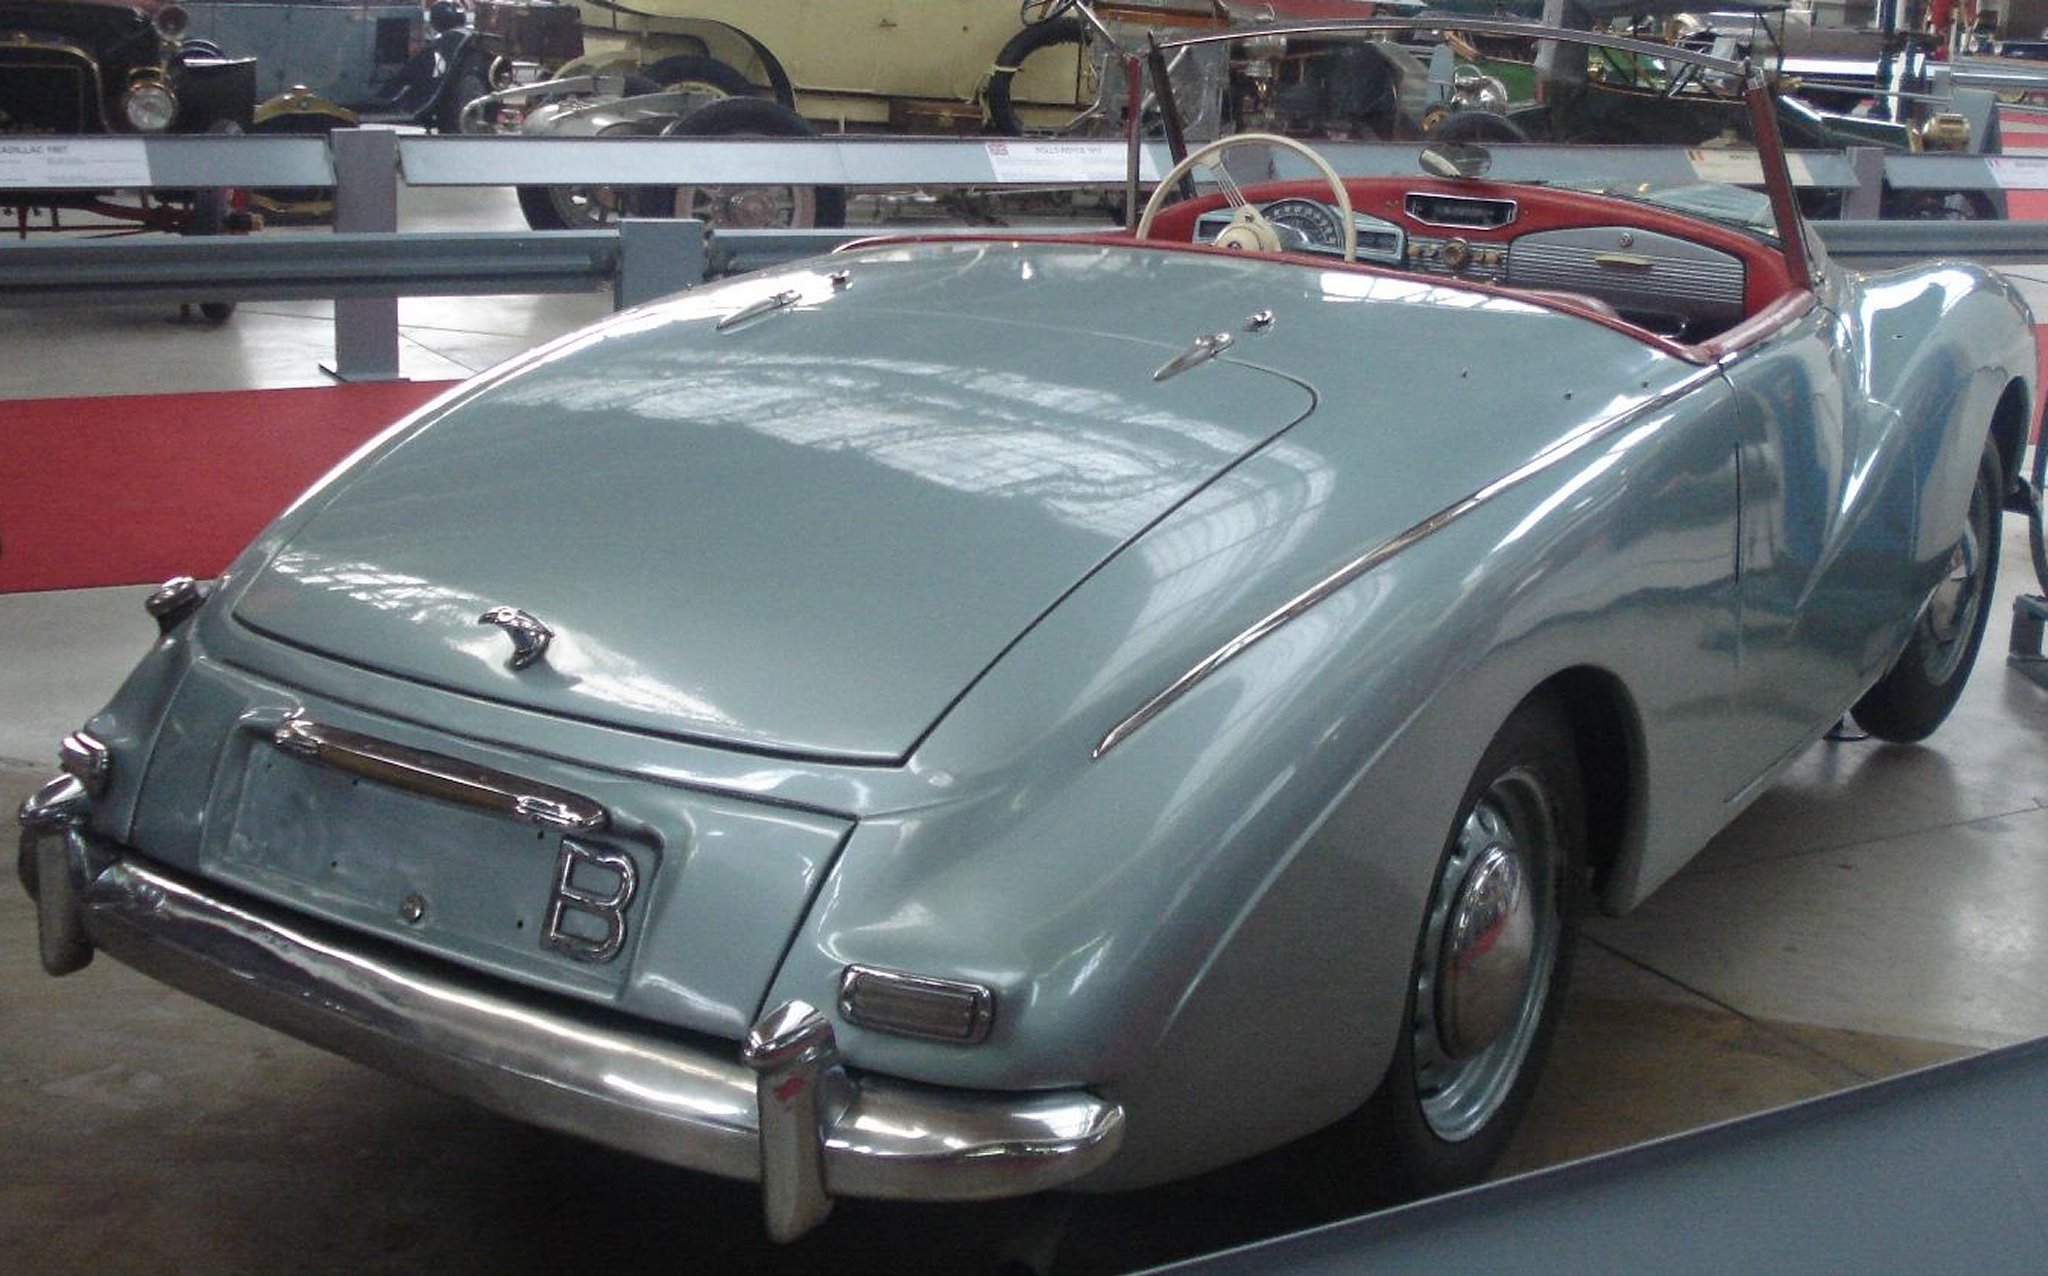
(1672, 286)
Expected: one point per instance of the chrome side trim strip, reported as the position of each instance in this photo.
(1584, 436)
(543, 1058)
(434, 775)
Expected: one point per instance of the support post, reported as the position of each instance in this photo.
(1864, 202)
(365, 200)
(658, 257)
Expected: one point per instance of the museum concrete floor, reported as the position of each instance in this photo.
(1882, 909)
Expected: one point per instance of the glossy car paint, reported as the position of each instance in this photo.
(1685, 550)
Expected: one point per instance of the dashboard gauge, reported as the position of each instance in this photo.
(1306, 223)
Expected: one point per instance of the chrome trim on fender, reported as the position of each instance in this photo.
(435, 775)
(643, 1088)
(1585, 435)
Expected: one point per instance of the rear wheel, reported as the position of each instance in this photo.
(1491, 962)
(1923, 684)
(691, 73)
(765, 206)
(580, 207)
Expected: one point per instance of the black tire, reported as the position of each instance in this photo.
(472, 81)
(1923, 684)
(1475, 126)
(687, 71)
(753, 206)
(1466, 1062)
(1037, 38)
(580, 207)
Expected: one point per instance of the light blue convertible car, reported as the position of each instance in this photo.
(963, 718)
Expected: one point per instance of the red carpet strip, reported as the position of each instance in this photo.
(132, 490)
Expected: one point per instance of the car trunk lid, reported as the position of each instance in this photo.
(807, 533)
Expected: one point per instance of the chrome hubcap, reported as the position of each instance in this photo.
(1483, 968)
(1951, 614)
(1489, 947)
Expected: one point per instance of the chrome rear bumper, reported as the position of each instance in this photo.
(782, 1102)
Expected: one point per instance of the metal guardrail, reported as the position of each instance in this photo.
(860, 161)
(418, 264)
(366, 264)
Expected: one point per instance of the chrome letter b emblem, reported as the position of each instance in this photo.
(587, 913)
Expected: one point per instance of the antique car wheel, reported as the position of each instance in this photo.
(579, 207)
(472, 81)
(1257, 234)
(687, 73)
(1491, 964)
(1923, 684)
(1058, 33)
(748, 207)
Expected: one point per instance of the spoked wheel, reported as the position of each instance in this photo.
(768, 206)
(1924, 683)
(581, 207)
(1491, 962)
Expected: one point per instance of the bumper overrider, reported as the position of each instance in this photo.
(780, 1110)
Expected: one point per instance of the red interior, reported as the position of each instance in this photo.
(1538, 208)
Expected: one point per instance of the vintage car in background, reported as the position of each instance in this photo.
(689, 68)
(959, 718)
(73, 68)
(391, 61)
(905, 66)
(346, 53)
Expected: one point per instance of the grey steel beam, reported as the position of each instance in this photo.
(470, 263)
(828, 161)
(1937, 1171)
(178, 162)
(275, 267)
(1990, 242)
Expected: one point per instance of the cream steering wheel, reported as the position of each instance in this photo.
(1249, 231)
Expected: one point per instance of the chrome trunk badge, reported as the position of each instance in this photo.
(530, 638)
